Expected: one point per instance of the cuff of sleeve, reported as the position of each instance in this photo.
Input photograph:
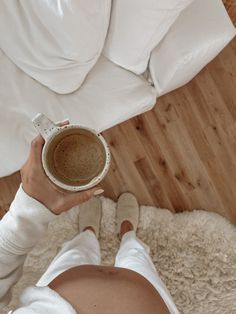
(24, 205)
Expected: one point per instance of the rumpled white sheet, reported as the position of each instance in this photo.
(109, 95)
(55, 42)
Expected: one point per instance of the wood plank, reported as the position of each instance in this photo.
(8, 188)
(230, 6)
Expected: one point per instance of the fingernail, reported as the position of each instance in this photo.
(58, 123)
(65, 120)
(98, 192)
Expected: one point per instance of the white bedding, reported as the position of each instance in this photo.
(109, 96)
(194, 40)
(56, 42)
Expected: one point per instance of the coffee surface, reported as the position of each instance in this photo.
(76, 157)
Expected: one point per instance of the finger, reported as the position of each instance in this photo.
(36, 148)
(94, 191)
(81, 197)
(63, 123)
(38, 142)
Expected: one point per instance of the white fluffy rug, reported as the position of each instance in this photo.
(195, 254)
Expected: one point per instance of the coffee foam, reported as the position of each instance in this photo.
(76, 157)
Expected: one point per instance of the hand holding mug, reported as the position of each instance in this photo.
(37, 185)
(74, 158)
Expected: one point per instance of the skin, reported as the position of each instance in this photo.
(104, 290)
(37, 185)
(88, 288)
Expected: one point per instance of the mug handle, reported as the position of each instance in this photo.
(44, 125)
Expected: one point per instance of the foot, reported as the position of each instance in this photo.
(125, 227)
(127, 214)
(90, 228)
(90, 215)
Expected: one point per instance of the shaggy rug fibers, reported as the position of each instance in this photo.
(195, 254)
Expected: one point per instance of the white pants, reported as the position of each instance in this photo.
(133, 254)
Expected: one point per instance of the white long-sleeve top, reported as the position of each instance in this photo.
(20, 229)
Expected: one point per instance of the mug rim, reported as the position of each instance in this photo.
(94, 181)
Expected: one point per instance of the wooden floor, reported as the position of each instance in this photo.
(230, 6)
(182, 154)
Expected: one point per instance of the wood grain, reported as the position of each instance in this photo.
(230, 6)
(8, 188)
(182, 154)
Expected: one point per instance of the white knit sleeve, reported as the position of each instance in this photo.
(20, 229)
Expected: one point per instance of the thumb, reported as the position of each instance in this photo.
(36, 148)
(77, 198)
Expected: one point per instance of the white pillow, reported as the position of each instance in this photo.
(198, 35)
(56, 42)
(136, 27)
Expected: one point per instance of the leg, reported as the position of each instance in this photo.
(134, 255)
(84, 249)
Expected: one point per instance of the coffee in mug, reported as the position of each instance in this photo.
(75, 158)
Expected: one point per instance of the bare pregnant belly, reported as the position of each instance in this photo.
(108, 290)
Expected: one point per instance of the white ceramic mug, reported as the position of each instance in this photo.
(49, 131)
